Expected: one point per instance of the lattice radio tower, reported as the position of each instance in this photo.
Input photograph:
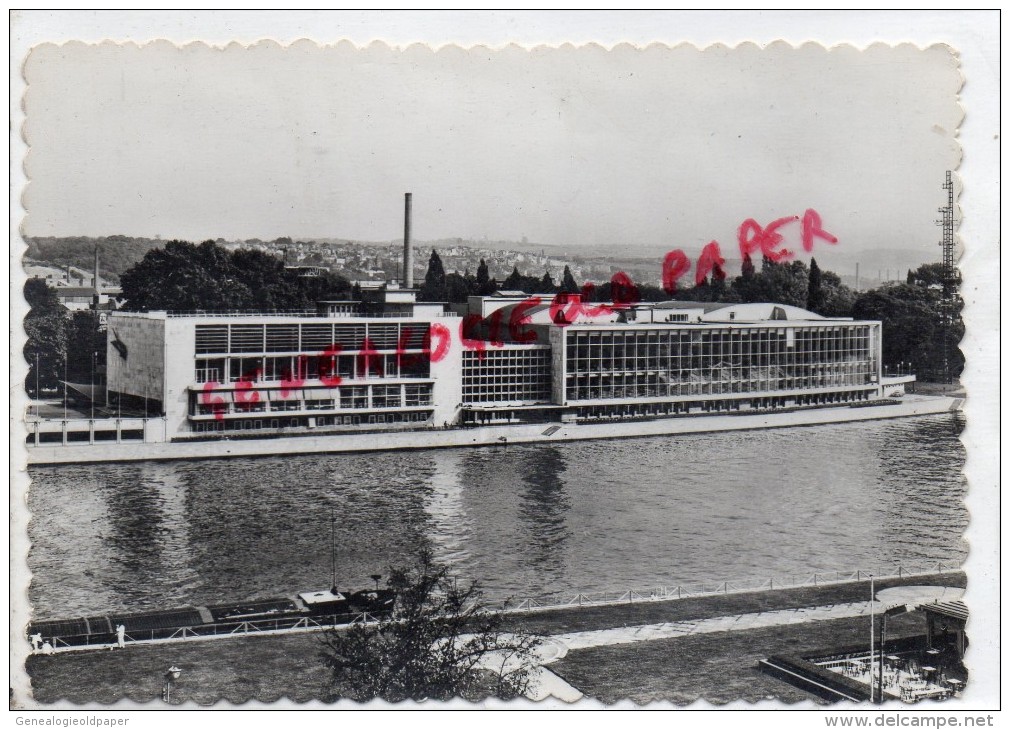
(949, 274)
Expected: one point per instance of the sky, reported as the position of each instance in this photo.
(627, 149)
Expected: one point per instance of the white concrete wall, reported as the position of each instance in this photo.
(559, 350)
(180, 371)
(488, 435)
(447, 392)
(142, 372)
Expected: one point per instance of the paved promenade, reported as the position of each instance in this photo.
(741, 622)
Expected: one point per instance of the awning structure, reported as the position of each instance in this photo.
(956, 610)
(916, 596)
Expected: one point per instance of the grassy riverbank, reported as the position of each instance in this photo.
(719, 667)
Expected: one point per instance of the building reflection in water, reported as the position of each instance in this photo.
(449, 524)
(147, 534)
(521, 519)
(500, 515)
(543, 514)
(265, 527)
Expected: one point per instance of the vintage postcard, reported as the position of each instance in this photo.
(354, 372)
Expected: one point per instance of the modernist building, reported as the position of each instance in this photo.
(673, 358)
(391, 362)
(347, 365)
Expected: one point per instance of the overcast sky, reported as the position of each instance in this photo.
(626, 148)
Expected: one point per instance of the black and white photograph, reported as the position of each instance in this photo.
(354, 372)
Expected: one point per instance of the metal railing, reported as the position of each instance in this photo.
(301, 313)
(524, 605)
(223, 628)
(242, 313)
(742, 585)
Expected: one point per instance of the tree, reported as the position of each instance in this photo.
(568, 283)
(46, 328)
(747, 267)
(458, 288)
(433, 289)
(912, 326)
(815, 295)
(782, 283)
(930, 275)
(182, 276)
(440, 643)
(913, 322)
(547, 283)
(85, 346)
(483, 276)
(514, 280)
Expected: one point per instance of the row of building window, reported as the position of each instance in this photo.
(313, 367)
(835, 332)
(308, 337)
(659, 385)
(728, 405)
(357, 397)
(655, 357)
(715, 363)
(511, 375)
(258, 424)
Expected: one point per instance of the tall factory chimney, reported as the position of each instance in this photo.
(408, 251)
(96, 269)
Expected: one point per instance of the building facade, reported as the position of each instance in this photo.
(393, 363)
(265, 373)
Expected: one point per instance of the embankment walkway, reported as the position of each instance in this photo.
(546, 432)
(210, 664)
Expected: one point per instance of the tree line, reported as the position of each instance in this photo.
(186, 276)
(911, 312)
(176, 276)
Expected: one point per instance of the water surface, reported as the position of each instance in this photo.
(523, 519)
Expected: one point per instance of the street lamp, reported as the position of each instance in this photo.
(36, 384)
(170, 677)
(872, 652)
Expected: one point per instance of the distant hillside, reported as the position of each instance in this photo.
(381, 259)
(116, 254)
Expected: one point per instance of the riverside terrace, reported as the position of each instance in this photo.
(678, 649)
(912, 669)
(394, 364)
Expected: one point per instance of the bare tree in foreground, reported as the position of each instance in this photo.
(440, 643)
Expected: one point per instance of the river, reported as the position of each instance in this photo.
(526, 520)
